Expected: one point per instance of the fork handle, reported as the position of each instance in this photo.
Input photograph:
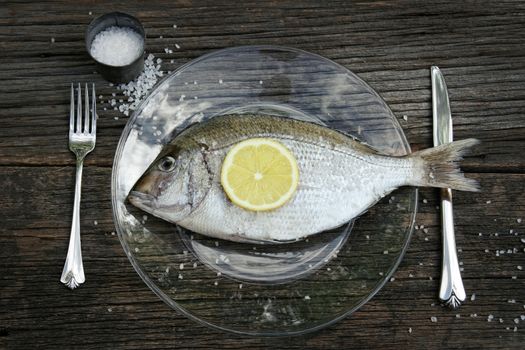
(451, 291)
(73, 272)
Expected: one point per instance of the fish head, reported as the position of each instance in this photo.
(174, 184)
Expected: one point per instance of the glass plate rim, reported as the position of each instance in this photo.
(165, 298)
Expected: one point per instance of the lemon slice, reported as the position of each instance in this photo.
(259, 174)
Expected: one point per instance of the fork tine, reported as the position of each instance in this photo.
(86, 110)
(79, 110)
(93, 111)
(72, 111)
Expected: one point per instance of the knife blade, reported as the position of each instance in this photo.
(451, 291)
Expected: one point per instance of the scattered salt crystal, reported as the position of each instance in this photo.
(518, 220)
(137, 89)
(425, 201)
(194, 265)
(161, 37)
(522, 317)
(219, 274)
(522, 240)
(500, 320)
(95, 222)
(516, 320)
(416, 227)
(90, 13)
(109, 309)
(458, 316)
(307, 297)
(433, 319)
(216, 283)
(488, 202)
(181, 266)
(473, 315)
(514, 277)
(410, 330)
(195, 82)
(328, 269)
(166, 50)
(220, 81)
(52, 40)
(174, 26)
(136, 250)
(519, 267)
(425, 230)
(177, 46)
(486, 250)
(385, 252)
(426, 238)
(515, 329)
(410, 275)
(511, 301)
(490, 318)
(392, 279)
(240, 285)
(260, 82)
(216, 243)
(367, 237)
(112, 233)
(117, 46)
(473, 297)
(180, 276)
(116, 118)
(405, 117)
(430, 278)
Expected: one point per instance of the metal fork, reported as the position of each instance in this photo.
(82, 137)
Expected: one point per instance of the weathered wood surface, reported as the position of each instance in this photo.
(480, 47)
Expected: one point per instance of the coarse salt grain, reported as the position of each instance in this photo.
(138, 89)
(117, 46)
(433, 319)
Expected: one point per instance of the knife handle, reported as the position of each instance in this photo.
(451, 292)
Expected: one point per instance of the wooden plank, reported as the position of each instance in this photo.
(114, 301)
(483, 63)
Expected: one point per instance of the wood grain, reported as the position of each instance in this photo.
(478, 44)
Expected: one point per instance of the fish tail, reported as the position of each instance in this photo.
(439, 166)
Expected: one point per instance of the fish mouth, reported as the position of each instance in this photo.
(141, 200)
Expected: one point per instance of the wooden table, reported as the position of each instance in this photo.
(480, 46)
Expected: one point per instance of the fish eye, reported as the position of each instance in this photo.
(167, 164)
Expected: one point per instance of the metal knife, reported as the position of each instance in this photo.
(451, 291)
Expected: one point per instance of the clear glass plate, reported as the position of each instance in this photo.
(262, 289)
